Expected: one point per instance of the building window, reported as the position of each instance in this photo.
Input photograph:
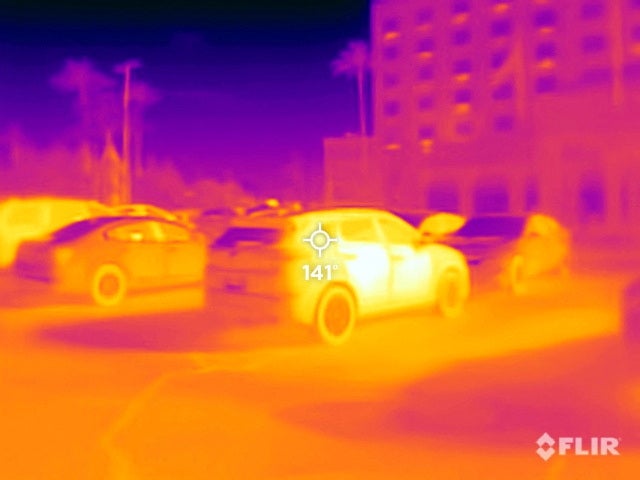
(462, 96)
(390, 52)
(464, 129)
(391, 141)
(531, 195)
(461, 37)
(390, 25)
(591, 10)
(425, 103)
(632, 70)
(460, 6)
(635, 4)
(635, 33)
(545, 19)
(594, 43)
(594, 76)
(425, 73)
(427, 132)
(503, 92)
(501, 28)
(426, 45)
(592, 199)
(501, 6)
(503, 123)
(391, 108)
(545, 50)
(499, 58)
(390, 80)
(462, 66)
(424, 16)
(546, 84)
(490, 198)
(443, 197)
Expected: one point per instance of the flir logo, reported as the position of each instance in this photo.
(576, 446)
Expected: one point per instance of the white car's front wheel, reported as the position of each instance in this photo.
(516, 275)
(335, 315)
(451, 293)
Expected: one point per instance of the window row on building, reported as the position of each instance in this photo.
(591, 43)
(542, 17)
(464, 128)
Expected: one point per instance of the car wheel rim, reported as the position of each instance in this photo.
(337, 316)
(517, 273)
(451, 293)
(109, 286)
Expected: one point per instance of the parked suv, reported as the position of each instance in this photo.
(328, 268)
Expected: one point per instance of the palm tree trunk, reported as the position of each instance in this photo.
(361, 105)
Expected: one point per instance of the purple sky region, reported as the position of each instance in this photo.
(244, 88)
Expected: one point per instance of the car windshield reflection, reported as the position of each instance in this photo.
(506, 227)
(259, 236)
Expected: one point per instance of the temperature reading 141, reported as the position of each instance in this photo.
(318, 272)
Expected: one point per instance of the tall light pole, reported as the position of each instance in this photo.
(125, 170)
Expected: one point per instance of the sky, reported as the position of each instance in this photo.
(245, 86)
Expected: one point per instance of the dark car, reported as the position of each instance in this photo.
(512, 248)
(214, 221)
(106, 257)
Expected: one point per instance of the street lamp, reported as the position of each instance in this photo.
(125, 168)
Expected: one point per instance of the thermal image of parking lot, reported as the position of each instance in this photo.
(346, 240)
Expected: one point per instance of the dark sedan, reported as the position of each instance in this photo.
(107, 257)
(512, 248)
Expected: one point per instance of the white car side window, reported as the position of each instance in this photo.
(134, 233)
(396, 232)
(359, 230)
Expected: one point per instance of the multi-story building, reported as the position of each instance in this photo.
(509, 105)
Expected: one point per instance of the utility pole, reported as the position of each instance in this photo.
(125, 168)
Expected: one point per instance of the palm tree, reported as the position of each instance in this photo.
(354, 61)
(82, 78)
(94, 102)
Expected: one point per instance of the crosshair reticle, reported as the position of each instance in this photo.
(319, 240)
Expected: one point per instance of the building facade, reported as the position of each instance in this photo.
(508, 106)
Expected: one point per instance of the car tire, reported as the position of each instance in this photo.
(108, 285)
(516, 275)
(335, 315)
(451, 293)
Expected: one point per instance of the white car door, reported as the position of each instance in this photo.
(367, 261)
(411, 266)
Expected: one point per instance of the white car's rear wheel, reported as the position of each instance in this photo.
(335, 315)
(452, 293)
(108, 285)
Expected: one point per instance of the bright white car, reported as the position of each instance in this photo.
(28, 218)
(329, 268)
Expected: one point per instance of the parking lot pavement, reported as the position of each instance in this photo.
(170, 395)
